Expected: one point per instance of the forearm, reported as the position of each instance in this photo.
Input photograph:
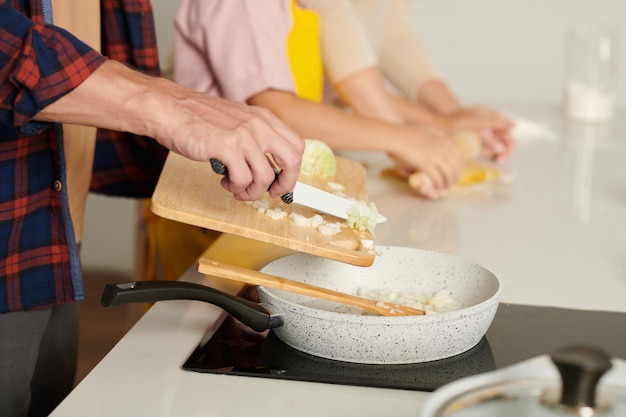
(339, 129)
(436, 95)
(367, 94)
(187, 122)
(120, 98)
(110, 98)
(417, 113)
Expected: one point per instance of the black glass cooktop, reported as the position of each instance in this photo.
(517, 333)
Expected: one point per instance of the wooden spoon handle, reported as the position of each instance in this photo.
(248, 276)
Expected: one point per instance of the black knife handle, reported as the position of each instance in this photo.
(220, 168)
(251, 314)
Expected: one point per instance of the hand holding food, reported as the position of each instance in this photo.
(432, 153)
(470, 145)
(493, 128)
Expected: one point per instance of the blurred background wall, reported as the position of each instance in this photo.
(496, 52)
(503, 51)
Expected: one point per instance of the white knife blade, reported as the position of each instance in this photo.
(306, 195)
(326, 202)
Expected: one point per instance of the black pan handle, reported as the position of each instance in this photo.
(251, 314)
(220, 168)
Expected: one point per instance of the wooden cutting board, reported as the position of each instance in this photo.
(190, 192)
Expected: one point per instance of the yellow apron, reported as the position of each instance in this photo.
(171, 247)
(305, 57)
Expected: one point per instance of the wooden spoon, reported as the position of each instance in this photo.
(248, 276)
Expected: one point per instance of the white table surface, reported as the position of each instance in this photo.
(555, 235)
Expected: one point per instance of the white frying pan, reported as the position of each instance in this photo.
(329, 330)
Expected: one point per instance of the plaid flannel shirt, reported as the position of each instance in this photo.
(39, 63)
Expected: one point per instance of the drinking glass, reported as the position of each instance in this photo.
(590, 73)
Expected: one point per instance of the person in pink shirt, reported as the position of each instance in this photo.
(259, 65)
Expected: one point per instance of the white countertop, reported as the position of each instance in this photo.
(555, 236)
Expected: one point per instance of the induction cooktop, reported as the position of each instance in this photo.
(517, 333)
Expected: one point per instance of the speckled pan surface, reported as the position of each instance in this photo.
(325, 329)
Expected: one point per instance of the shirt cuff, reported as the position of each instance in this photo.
(51, 64)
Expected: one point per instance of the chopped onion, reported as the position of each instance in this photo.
(300, 220)
(276, 214)
(362, 216)
(318, 159)
(439, 302)
(317, 220)
(329, 229)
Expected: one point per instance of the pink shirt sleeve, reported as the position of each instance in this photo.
(233, 48)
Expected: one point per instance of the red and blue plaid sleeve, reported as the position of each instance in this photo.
(39, 64)
(128, 165)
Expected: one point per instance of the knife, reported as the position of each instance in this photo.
(308, 196)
